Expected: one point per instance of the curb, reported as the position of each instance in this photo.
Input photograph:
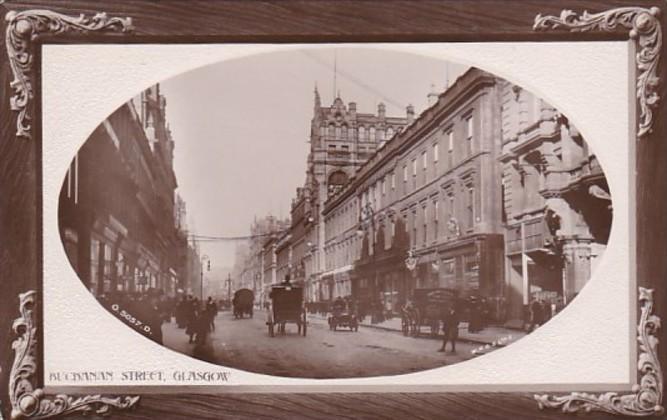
(438, 337)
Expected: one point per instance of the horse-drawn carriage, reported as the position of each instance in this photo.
(343, 316)
(286, 306)
(242, 302)
(426, 309)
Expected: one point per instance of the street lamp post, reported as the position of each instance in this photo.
(229, 287)
(369, 220)
(201, 282)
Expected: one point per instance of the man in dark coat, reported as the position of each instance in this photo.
(155, 318)
(191, 317)
(202, 325)
(450, 325)
(536, 316)
(212, 312)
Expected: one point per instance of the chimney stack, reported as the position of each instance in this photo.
(381, 110)
(410, 113)
(432, 96)
(352, 107)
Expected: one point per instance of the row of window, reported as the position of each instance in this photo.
(343, 219)
(370, 134)
(419, 168)
(342, 254)
(433, 225)
(101, 257)
(346, 147)
(427, 223)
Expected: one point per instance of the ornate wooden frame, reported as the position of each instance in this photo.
(28, 26)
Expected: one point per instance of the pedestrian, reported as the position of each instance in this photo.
(155, 318)
(202, 325)
(546, 311)
(212, 312)
(535, 314)
(181, 313)
(450, 326)
(191, 313)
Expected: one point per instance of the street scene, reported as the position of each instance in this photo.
(246, 345)
(301, 214)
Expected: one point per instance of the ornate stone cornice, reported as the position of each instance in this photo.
(646, 397)
(644, 27)
(26, 400)
(23, 28)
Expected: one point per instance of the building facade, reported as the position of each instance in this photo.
(490, 192)
(556, 202)
(341, 140)
(117, 213)
(432, 190)
(255, 265)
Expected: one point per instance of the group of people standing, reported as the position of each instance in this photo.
(198, 318)
(540, 311)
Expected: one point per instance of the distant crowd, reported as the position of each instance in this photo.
(198, 318)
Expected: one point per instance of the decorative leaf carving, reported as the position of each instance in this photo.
(23, 28)
(646, 397)
(644, 27)
(30, 402)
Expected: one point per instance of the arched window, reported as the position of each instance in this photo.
(337, 132)
(343, 131)
(362, 133)
(390, 132)
(323, 131)
(332, 130)
(380, 135)
(336, 181)
(372, 133)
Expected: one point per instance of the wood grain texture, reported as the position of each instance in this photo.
(315, 21)
(342, 406)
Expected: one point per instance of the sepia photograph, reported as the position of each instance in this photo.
(335, 213)
(323, 209)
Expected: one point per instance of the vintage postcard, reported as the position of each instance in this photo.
(460, 214)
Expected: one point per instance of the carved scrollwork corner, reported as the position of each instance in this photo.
(646, 396)
(29, 402)
(644, 26)
(23, 28)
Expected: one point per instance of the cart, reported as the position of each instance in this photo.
(243, 302)
(286, 306)
(343, 316)
(426, 310)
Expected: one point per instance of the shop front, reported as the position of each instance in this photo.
(381, 285)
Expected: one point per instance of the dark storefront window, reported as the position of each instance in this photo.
(448, 272)
(108, 264)
(471, 270)
(94, 265)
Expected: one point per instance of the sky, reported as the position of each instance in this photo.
(241, 127)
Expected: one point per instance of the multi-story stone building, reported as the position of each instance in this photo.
(433, 188)
(117, 216)
(494, 193)
(341, 140)
(489, 191)
(255, 266)
(556, 202)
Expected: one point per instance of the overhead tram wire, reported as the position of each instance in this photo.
(211, 238)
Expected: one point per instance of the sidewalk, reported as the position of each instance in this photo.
(492, 335)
